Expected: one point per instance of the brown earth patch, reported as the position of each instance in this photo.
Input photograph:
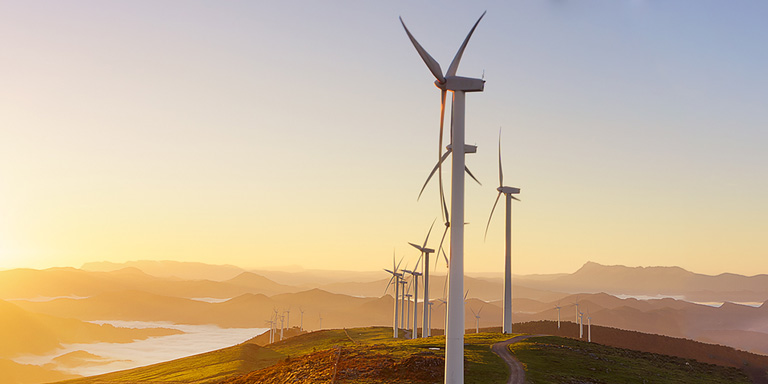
(349, 365)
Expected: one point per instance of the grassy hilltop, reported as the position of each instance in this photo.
(371, 355)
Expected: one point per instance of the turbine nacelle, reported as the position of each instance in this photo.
(508, 190)
(460, 83)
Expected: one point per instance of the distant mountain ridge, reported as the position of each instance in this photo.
(651, 281)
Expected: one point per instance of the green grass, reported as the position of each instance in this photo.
(482, 365)
(553, 359)
(546, 359)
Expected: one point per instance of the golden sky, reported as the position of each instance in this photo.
(299, 134)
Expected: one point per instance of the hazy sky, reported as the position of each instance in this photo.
(299, 133)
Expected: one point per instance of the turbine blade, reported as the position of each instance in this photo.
(416, 268)
(439, 248)
(515, 198)
(491, 216)
(501, 174)
(436, 167)
(430, 231)
(471, 175)
(431, 63)
(473, 311)
(465, 295)
(415, 246)
(455, 63)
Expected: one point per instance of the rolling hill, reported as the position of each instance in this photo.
(370, 355)
(22, 331)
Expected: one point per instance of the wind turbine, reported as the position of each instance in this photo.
(396, 276)
(320, 325)
(459, 86)
(558, 315)
(589, 327)
(402, 302)
(477, 318)
(508, 192)
(581, 325)
(288, 318)
(408, 306)
(301, 323)
(271, 330)
(416, 275)
(282, 318)
(578, 320)
(425, 252)
(445, 314)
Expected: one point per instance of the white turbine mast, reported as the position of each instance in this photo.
(408, 307)
(477, 318)
(301, 322)
(396, 276)
(425, 252)
(459, 86)
(508, 192)
(415, 283)
(558, 314)
(589, 326)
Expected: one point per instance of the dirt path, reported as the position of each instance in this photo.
(516, 371)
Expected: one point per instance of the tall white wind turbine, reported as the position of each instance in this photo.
(396, 276)
(425, 252)
(558, 315)
(589, 327)
(459, 86)
(508, 192)
(320, 324)
(301, 323)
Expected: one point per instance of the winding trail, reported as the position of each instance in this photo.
(516, 371)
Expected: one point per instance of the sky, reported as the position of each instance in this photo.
(299, 133)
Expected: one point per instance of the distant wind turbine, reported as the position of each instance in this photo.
(271, 330)
(415, 280)
(320, 325)
(301, 323)
(589, 327)
(454, 335)
(425, 252)
(402, 302)
(508, 192)
(396, 276)
(288, 318)
(558, 315)
(477, 318)
(408, 307)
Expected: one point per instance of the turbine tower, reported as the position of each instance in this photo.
(408, 308)
(477, 318)
(415, 281)
(589, 327)
(508, 192)
(558, 315)
(396, 276)
(459, 86)
(301, 323)
(425, 252)
(402, 302)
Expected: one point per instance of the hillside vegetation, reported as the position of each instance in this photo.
(371, 355)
